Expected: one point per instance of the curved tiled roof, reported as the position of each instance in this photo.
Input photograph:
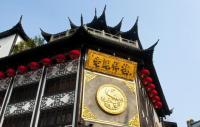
(100, 23)
(17, 29)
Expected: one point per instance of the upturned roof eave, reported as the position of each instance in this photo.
(165, 110)
(17, 29)
(148, 63)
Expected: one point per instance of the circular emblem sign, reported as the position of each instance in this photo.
(111, 99)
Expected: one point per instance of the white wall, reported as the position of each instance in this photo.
(19, 39)
(5, 45)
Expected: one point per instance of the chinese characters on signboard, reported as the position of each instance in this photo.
(111, 65)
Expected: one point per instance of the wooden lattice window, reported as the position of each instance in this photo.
(2, 95)
(17, 121)
(60, 85)
(24, 93)
(59, 117)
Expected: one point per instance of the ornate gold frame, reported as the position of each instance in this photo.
(86, 113)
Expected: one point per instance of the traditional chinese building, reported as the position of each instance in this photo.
(90, 75)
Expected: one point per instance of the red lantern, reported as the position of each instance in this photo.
(46, 61)
(74, 54)
(34, 65)
(10, 72)
(158, 105)
(155, 99)
(153, 93)
(60, 58)
(22, 69)
(145, 72)
(2, 75)
(150, 87)
(147, 80)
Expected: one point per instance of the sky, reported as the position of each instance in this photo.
(175, 22)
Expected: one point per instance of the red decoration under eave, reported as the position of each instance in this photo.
(145, 72)
(60, 58)
(10, 72)
(150, 87)
(22, 69)
(158, 105)
(2, 75)
(147, 80)
(46, 61)
(74, 54)
(152, 93)
(34, 65)
(155, 99)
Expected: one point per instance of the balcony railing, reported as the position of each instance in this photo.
(103, 34)
(99, 33)
(62, 34)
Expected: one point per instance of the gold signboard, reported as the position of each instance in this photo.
(111, 65)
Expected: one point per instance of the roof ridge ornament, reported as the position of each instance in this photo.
(46, 35)
(149, 51)
(132, 31)
(72, 25)
(81, 20)
(103, 15)
(99, 22)
(20, 20)
(93, 20)
(104, 10)
(116, 29)
(153, 46)
(132, 34)
(95, 13)
(136, 22)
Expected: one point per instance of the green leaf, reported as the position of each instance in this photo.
(25, 45)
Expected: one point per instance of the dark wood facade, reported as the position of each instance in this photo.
(52, 89)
